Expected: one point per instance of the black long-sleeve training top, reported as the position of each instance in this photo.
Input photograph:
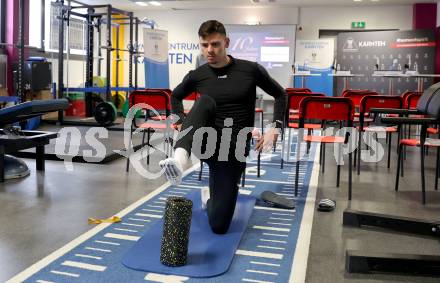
(233, 88)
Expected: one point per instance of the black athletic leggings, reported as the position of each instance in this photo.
(223, 175)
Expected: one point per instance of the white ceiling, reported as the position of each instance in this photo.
(129, 5)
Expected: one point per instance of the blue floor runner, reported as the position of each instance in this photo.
(265, 252)
(209, 254)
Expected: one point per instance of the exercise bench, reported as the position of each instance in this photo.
(13, 139)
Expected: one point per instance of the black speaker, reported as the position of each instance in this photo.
(37, 75)
(3, 68)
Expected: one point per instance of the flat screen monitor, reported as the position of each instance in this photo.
(272, 46)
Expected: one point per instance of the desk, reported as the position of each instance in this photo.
(420, 80)
(345, 76)
(391, 78)
(303, 78)
(419, 77)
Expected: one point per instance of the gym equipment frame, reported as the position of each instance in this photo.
(96, 16)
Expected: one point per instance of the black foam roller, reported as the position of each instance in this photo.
(177, 223)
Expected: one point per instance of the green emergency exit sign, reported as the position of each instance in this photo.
(357, 24)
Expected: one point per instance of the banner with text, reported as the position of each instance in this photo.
(156, 58)
(272, 46)
(317, 57)
(365, 52)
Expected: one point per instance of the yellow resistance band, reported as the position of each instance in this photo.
(113, 219)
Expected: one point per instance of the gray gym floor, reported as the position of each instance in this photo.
(44, 211)
(373, 191)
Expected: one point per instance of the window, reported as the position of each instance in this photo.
(77, 32)
(2, 21)
(34, 23)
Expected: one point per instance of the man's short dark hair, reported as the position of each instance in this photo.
(211, 27)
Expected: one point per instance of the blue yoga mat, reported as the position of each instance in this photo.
(209, 254)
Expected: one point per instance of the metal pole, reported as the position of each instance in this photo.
(109, 44)
(420, 82)
(60, 4)
(80, 3)
(136, 50)
(43, 24)
(118, 59)
(78, 14)
(99, 46)
(391, 90)
(20, 86)
(130, 48)
(89, 62)
(3, 21)
(115, 11)
(67, 40)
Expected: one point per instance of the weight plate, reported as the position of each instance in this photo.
(105, 113)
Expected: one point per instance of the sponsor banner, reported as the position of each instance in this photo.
(365, 52)
(156, 58)
(316, 56)
(410, 45)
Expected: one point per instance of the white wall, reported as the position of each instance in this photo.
(438, 14)
(312, 19)
(182, 27)
(74, 72)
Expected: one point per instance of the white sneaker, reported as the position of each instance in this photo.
(173, 170)
(205, 197)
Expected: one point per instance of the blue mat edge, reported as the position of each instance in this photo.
(253, 199)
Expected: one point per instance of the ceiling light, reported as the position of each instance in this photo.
(141, 3)
(155, 3)
(357, 0)
(252, 23)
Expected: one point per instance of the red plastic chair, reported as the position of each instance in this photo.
(427, 143)
(376, 101)
(325, 109)
(410, 100)
(353, 90)
(293, 104)
(291, 90)
(160, 117)
(159, 100)
(428, 108)
(356, 96)
(293, 101)
(192, 97)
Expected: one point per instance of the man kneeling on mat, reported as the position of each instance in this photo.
(228, 93)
